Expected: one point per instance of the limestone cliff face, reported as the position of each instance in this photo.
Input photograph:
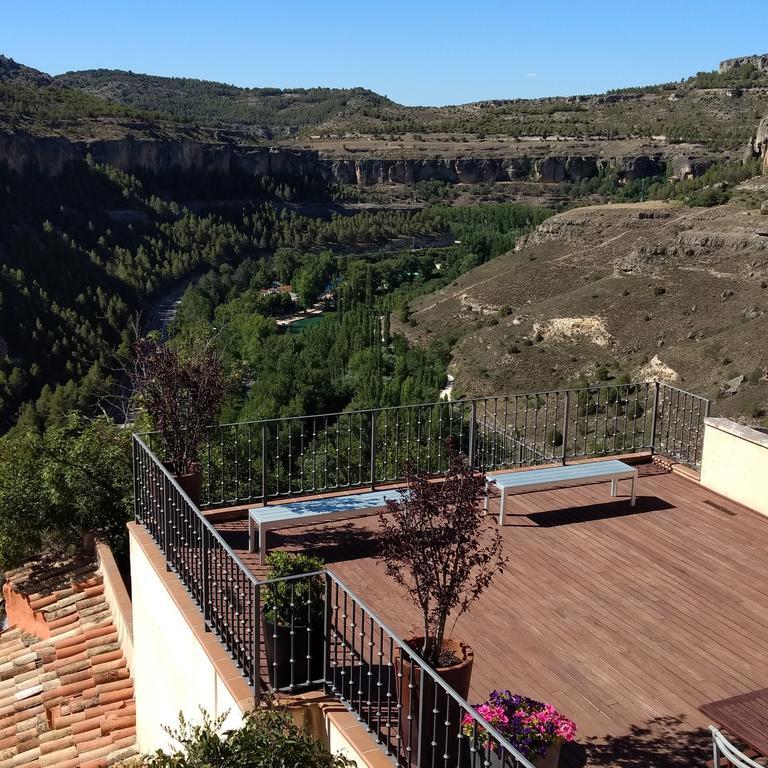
(759, 61)
(758, 147)
(49, 155)
(761, 142)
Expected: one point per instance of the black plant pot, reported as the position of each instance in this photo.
(306, 652)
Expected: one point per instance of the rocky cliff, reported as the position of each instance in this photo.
(758, 61)
(49, 155)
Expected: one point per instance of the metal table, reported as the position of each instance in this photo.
(745, 716)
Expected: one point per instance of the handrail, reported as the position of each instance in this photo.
(206, 523)
(424, 665)
(280, 457)
(257, 584)
(460, 401)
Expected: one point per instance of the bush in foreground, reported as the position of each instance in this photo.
(268, 738)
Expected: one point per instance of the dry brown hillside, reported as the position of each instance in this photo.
(645, 290)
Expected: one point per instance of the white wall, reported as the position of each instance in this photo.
(734, 462)
(172, 666)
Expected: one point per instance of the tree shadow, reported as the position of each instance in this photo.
(334, 543)
(662, 742)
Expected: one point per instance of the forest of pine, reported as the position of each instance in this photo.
(86, 255)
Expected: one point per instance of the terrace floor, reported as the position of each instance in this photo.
(626, 619)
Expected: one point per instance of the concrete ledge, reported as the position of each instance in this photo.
(117, 598)
(341, 731)
(743, 432)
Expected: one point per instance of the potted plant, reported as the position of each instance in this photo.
(537, 730)
(438, 545)
(182, 391)
(293, 617)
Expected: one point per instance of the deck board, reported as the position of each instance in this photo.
(626, 619)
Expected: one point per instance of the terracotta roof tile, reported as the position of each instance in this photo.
(66, 695)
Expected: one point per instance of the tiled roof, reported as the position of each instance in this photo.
(66, 696)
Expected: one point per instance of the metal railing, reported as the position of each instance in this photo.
(679, 424)
(219, 582)
(409, 710)
(311, 629)
(277, 458)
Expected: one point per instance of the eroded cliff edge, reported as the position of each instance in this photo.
(50, 154)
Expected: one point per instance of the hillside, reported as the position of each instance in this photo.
(547, 151)
(275, 111)
(716, 109)
(639, 290)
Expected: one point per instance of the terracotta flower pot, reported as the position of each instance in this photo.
(191, 482)
(437, 707)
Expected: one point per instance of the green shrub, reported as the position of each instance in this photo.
(554, 438)
(302, 597)
(268, 738)
(55, 485)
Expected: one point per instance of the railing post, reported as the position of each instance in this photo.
(423, 696)
(327, 633)
(206, 576)
(373, 450)
(164, 496)
(564, 433)
(256, 671)
(264, 463)
(471, 447)
(134, 463)
(654, 416)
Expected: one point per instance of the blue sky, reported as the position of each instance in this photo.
(415, 52)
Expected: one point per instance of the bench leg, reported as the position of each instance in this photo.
(251, 542)
(262, 544)
(614, 487)
(501, 506)
(485, 500)
(632, 500)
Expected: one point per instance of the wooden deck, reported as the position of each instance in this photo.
(626, 619)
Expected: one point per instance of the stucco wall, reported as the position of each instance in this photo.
(735, 462)
(177, 666)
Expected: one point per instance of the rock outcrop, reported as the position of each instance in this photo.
(758, 146)
(759, 61)
(50, 154)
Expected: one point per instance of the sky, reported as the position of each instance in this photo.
(432, 52)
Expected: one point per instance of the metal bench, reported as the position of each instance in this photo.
(552, 477)
(263, 519)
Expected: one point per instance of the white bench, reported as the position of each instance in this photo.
(559, 477)
(263, 519)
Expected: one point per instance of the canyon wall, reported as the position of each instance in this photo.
(49, 156)
(759, 61)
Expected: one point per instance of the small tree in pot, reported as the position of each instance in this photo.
(441, 547)
(182, 392)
